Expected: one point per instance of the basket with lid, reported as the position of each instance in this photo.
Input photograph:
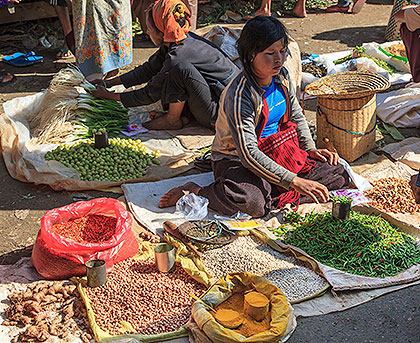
(346, 104)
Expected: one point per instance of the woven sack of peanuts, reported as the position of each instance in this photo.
(66, 241)
(281, 325)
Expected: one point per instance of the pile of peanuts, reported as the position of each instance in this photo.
(392, 195)
(152, 302)
(249, 254)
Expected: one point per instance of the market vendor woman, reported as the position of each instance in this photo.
(263, 153)
(187, 73)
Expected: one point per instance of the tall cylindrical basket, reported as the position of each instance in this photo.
(346, 104)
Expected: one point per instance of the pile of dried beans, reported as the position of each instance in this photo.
(150, 301)
(93, 228)
(392, 195)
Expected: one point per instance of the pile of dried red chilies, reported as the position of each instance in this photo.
(87, 229)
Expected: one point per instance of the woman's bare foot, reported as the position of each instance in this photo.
(156, 114)
(171, 198)
(166, 122)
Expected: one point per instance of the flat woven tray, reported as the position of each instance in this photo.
(348, 85)
(209, 233)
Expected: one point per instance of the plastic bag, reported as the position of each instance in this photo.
(372, 49)
(192, 206)
(367, 64)
(58, 257)
(282, 318)
(359, 181)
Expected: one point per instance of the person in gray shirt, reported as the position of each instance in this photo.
(263, 154)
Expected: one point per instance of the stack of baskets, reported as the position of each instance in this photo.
(346, 111)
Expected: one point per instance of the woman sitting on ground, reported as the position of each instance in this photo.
(257, 162)
(187, 69)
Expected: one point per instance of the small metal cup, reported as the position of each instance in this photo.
(341, 211)
(101, 140)
(164, 257)
(96, 273)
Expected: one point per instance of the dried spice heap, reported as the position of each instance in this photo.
(249, 326)
(150, 301)
(393, 194)
(45, 309)
(87, 229)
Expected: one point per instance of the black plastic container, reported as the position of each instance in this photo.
(341, 210)
(101, 140)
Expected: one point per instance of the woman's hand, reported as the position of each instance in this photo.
(107, 83)
(310, 188)
(99, 82)
(101, 92)
(324, 155)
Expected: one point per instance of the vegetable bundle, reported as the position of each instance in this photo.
(364, 245)
(123, 159)
(65, 114)
(94, 113)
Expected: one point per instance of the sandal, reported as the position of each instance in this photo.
(204, 162)
(357, 6)
(337, 9)
(8, 77)
(16, 55)
(290, 13)
(25, 60)
(64, 53)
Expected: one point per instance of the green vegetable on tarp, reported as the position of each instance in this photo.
(94, 113)
(364, 245)
(341, 200)
(360, 51)
(123, 159)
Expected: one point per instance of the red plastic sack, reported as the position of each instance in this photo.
(58, 257)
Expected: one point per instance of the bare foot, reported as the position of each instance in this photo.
(171, 198)
(257, 13)
(166, 122)
(155, 114)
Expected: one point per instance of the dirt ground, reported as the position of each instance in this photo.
(391, 318)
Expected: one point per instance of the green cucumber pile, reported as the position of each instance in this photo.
(363, 245)
(123, 159)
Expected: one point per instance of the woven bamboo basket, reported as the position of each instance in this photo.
(346, 111)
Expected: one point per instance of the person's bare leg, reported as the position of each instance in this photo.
(300, 8)
(170, 121)
(171, 198)
(64, 17)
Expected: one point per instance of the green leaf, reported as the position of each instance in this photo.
(393, 131)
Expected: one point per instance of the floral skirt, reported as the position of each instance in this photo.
(103, 35)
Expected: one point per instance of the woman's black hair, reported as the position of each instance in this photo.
(257, 35)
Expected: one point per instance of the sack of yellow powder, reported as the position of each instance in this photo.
(228, 298)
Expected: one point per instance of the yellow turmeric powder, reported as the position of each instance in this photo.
(228, 318)
(249, 327)
(256, 305)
